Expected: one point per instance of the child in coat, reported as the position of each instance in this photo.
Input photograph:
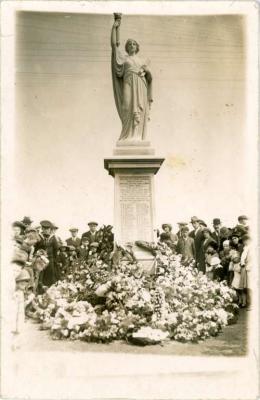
(22, 281)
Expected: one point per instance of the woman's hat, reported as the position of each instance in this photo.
(166, 226)
(214, 261)
(19, 224)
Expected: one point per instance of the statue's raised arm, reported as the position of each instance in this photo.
(132, 85)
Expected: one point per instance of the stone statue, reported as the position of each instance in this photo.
(132, 85)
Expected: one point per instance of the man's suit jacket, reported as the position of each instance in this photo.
(91, 238)
(73, 242)
(186, 248)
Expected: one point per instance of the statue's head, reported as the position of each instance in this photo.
(131, 46)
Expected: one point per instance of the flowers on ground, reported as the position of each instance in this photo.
(104, 303)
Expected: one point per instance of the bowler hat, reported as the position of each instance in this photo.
(46, 224)
(27, 220)
(216, 221)
(23, 276)
(93, 223)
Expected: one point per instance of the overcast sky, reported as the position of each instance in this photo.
(67, 123)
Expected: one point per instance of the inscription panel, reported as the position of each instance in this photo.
(135, 201)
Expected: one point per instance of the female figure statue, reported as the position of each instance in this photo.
(132, 85)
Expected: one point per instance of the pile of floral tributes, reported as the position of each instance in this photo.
(119, 301)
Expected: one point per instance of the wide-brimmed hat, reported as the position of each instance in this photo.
(92, 223)
(23, 276)
(46, 224)
(166, 226)
(203, 223)
(214, 261)
(18, 224)
(27, 220)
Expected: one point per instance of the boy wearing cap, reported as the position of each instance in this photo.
(74, 240)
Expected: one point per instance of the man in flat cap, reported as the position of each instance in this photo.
(74, 240)
(48, 242)
(92, 235)
(198, 237)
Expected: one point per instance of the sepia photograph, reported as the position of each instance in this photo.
(129, 234)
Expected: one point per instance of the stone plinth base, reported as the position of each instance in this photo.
(130, 147)
(134, 209)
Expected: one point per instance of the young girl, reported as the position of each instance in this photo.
(244, 284)
(236, 281)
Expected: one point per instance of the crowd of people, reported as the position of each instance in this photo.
(41, 258)
(221, 253)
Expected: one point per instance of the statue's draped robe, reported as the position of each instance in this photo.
(132, 92)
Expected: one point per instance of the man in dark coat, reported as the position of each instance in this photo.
(198, 237)
(49, 243)
(219, 233)
(186, 246)
(74, 240)
(92, 235)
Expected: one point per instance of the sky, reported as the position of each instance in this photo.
(67, 123)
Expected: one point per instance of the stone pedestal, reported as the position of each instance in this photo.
(134, 208)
